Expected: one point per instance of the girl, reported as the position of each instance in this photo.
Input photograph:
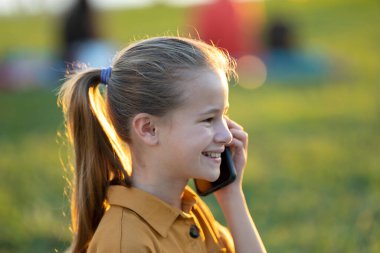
(159, 120)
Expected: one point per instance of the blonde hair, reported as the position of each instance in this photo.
(144, 78)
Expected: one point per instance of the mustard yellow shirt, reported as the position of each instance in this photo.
(140, 222)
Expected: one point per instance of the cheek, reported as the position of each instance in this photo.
(203, 131)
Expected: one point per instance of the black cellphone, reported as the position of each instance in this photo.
(227, 176)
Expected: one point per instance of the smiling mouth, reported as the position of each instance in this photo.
(211, 154)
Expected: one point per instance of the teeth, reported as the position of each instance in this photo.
(212, 154)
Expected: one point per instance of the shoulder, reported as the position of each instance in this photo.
(107, 235)
(137, 235)
(122, 230)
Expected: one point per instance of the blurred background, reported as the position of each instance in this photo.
(308, 95)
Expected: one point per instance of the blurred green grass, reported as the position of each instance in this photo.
(313, 179)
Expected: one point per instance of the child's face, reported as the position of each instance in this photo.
(196, 133)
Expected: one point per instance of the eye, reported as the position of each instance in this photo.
(208, 120)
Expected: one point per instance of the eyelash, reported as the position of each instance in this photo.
(208, 120)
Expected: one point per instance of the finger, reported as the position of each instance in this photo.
(235, 143)
(240, 135)
(237, 147)
(232, 124)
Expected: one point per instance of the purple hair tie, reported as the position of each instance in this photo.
(105, 75)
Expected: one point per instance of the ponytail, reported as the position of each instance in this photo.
(100, 160)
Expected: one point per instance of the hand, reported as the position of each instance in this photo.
(232, 201)
(239, 148)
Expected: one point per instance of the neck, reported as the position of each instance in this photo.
(167, 189)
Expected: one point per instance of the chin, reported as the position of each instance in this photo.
(213, 177)
(210, 174)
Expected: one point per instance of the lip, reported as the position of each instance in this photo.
(214, 159)
(215, 150)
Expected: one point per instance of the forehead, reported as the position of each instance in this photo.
(205, 88)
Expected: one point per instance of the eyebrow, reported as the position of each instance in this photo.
(214, 110)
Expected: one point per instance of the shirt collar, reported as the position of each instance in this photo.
(153, 210)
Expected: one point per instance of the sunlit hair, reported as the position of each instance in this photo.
(146, 78)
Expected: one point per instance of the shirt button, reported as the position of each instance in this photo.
(194, 231)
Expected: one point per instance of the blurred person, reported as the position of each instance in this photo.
(158, 121)
(22, 68)
(79, 26)
(231, 26)
(286, 61)
(81, 37)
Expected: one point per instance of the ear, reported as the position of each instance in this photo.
(144, 126)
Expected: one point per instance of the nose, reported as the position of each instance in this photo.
(222, 133)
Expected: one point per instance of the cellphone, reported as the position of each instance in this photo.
(227, 176)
